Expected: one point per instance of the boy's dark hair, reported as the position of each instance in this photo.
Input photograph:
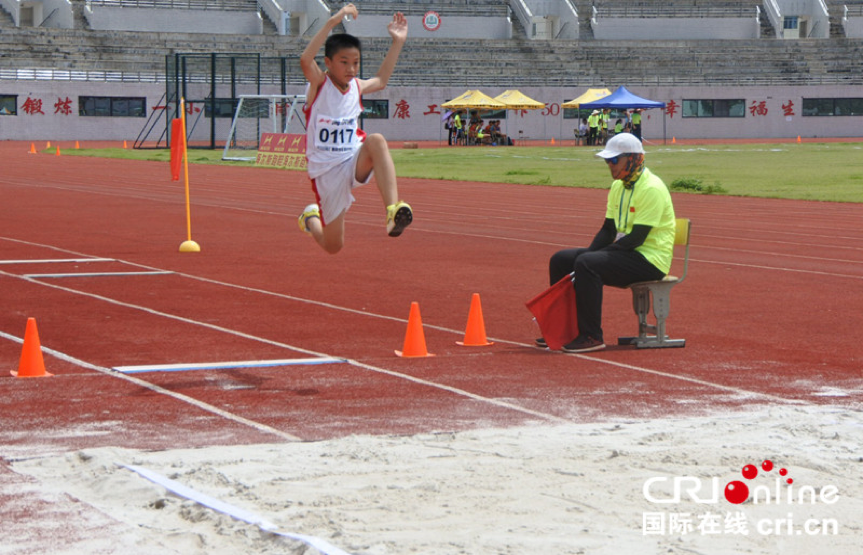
(340, 42)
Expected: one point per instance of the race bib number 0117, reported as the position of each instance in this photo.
(336, 135)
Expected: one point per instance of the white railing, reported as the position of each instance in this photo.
(652, 11)
(523, 13)
(427, 80)
(775, 17)
(276, 14)
(318, 13)
(14, 9)
(177, 4)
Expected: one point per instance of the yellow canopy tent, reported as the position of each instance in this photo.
(516, 100)
(590, 96)
(474, 99)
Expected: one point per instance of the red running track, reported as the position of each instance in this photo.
(770, 309)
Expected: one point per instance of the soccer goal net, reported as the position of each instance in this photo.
(258, 114)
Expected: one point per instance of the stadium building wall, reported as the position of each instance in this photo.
(853, 27)
(488, 27)
(414, 113)
(676, 28)
(111, 18)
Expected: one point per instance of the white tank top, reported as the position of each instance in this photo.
(332, 126)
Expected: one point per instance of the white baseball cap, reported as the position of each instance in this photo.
(622, 143)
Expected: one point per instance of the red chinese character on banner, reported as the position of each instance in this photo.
(403, 110)
(671, 108)
(63, 106)
(788, 109)
(32, 106)
(432, 110)
(758, 108)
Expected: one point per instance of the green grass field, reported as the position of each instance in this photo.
(808, 171)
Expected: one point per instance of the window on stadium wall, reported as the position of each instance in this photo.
(112, 106)
(833, 106)
(225, 108)
(376, 109)
(717, 108)
(8, 105)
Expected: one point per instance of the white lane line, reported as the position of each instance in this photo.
(331, 306)
(98, 274)
(250, 337)
(162, 391)
(56, 260)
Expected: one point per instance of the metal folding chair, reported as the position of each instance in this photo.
(653, 335)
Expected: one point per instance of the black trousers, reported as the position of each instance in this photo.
(593, 270)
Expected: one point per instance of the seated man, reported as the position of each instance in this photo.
(496, 135)
(635, 242)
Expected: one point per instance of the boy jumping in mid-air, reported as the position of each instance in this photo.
(340, 155)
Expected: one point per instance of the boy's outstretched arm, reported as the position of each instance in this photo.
(398, 30)
(311, 70)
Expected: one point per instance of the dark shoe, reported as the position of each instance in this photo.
(540, 342)
(399, 216)
(583, 344)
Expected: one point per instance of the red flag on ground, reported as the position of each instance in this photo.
(177, 148)
(554, 310)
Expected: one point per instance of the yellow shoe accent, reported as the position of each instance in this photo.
(310, 211)
(399, 216)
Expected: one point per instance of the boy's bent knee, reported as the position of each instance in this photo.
(376, 141)
(332, 247)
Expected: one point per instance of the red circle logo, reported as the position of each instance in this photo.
(431, 21)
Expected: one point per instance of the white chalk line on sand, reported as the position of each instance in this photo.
(233, 511)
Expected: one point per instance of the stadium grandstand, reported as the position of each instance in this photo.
(110, 69)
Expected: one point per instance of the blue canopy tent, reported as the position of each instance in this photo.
(622, 99)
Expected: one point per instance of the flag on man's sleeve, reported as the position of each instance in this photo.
(178, 147)
(554, 310)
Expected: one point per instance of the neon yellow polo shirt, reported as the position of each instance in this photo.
(647, 203)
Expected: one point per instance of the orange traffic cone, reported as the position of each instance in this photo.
(58, 150)
(124, 144)
(415, 339)
(77, 146)
(48, 145)
(474, 335)
(32, 148)
(552, 141)
(798, 138)
(31, 364)
(673, 140)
